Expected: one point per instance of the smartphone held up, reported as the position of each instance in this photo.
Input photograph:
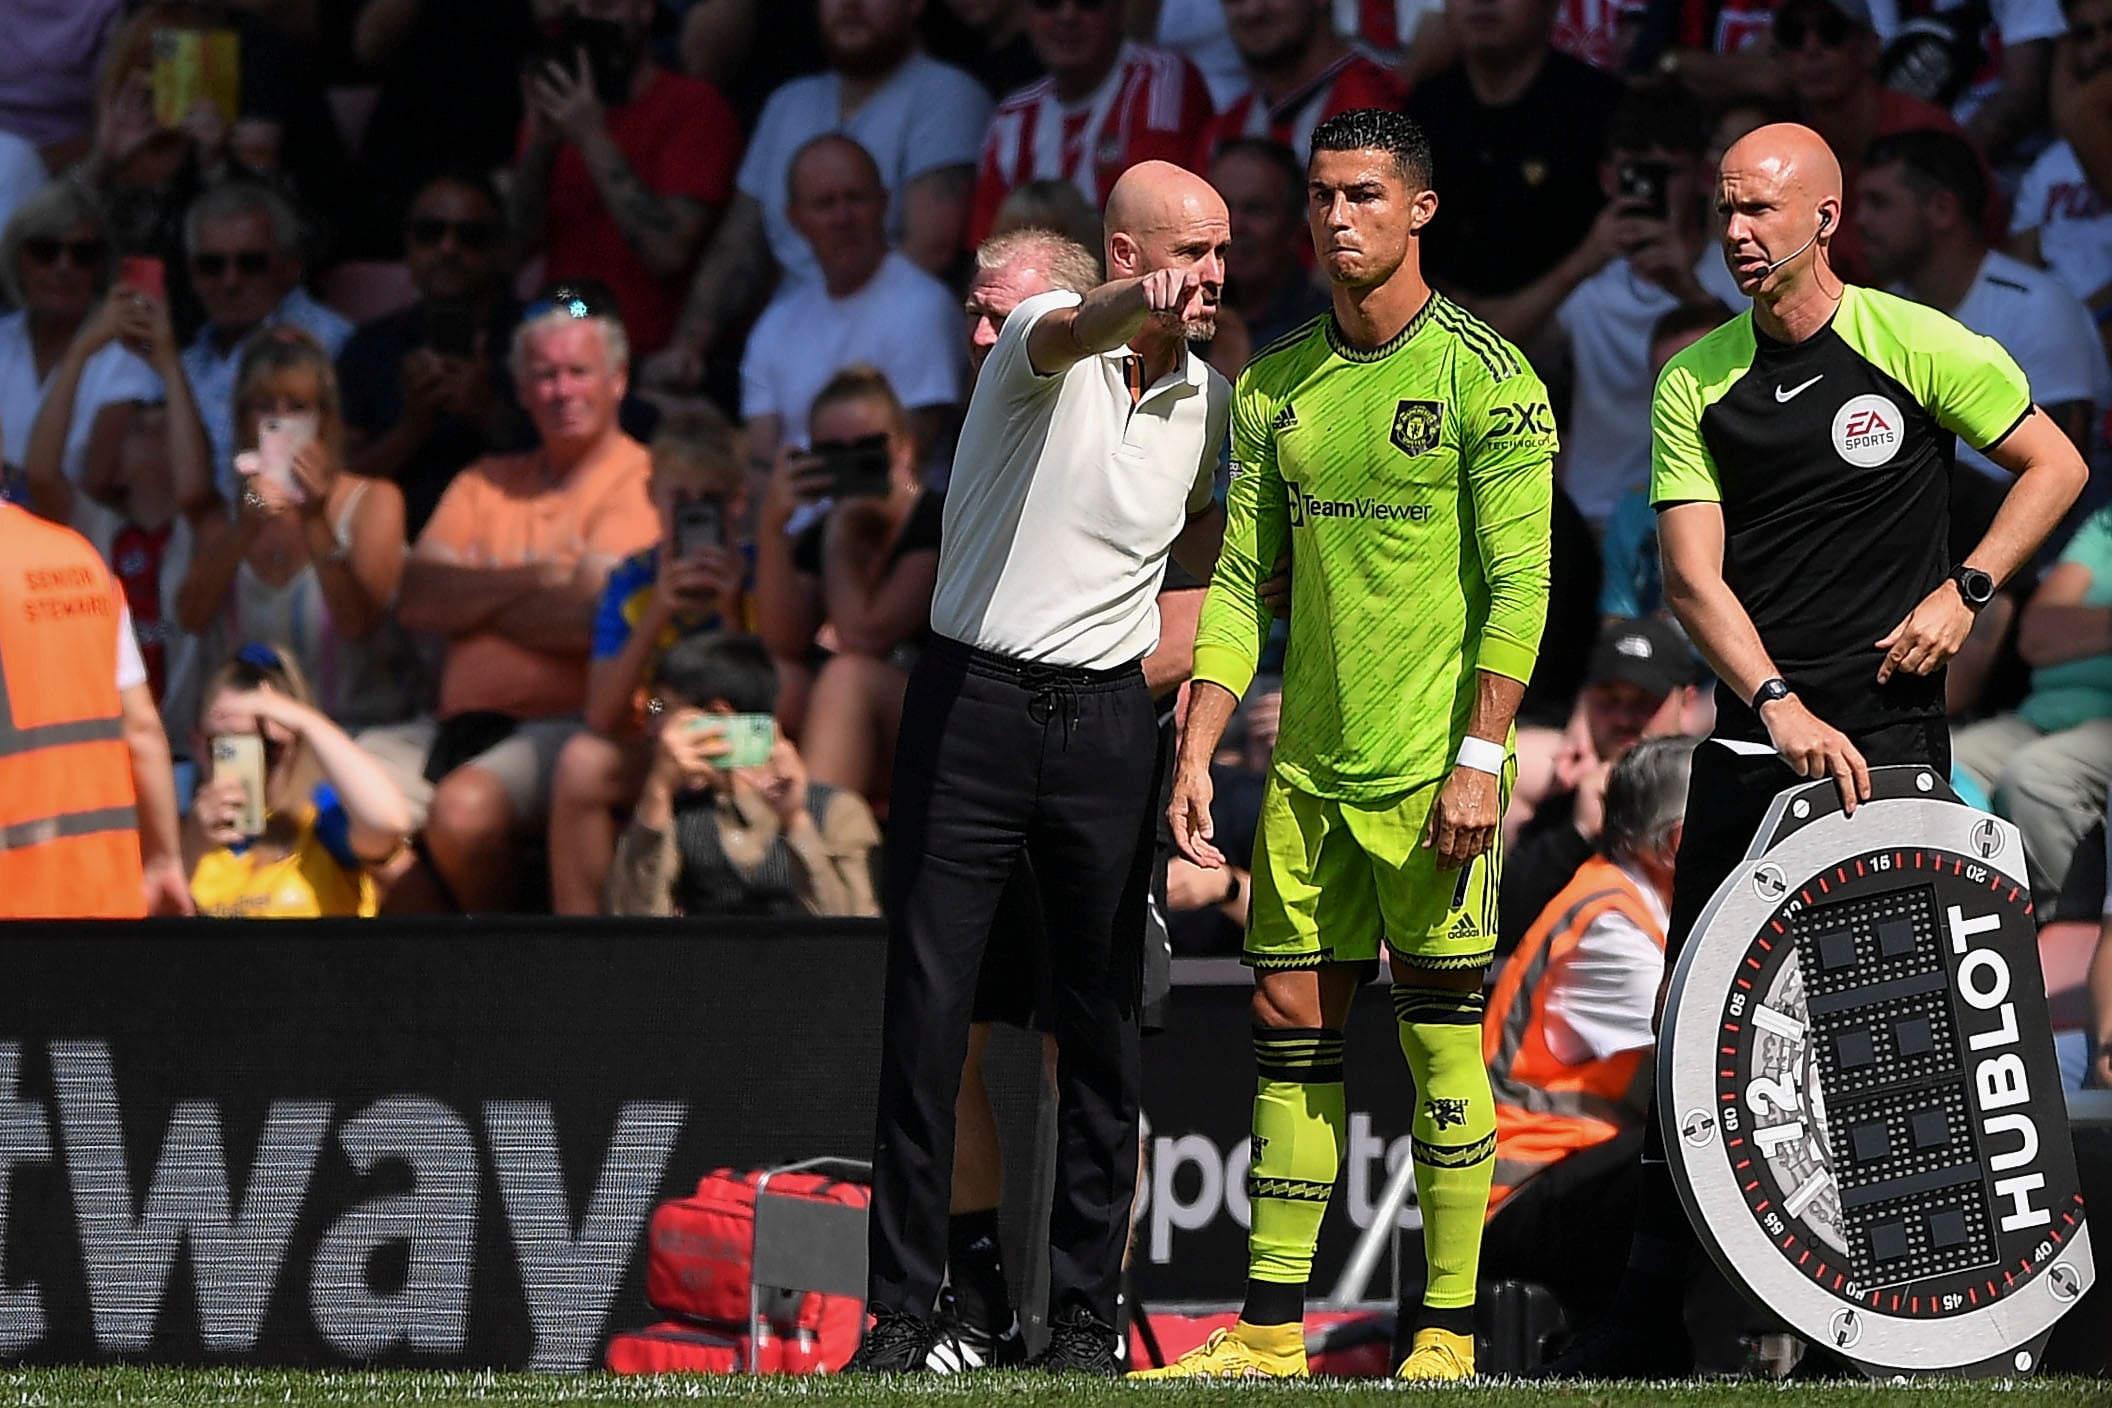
(279, 439)
(241, 756)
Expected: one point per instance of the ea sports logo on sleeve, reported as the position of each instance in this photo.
(1868, 431)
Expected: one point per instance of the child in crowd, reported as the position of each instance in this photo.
(694, 581)
(144, 482)
(330, 816)
(710, 837)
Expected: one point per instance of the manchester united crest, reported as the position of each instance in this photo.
(1416, 426)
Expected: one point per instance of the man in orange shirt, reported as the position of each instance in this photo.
(509, 569)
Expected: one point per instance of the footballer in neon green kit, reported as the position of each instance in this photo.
(1401, 453)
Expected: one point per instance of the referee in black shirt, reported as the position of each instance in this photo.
(1800, 468)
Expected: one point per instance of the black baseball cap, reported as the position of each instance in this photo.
(1647, 652)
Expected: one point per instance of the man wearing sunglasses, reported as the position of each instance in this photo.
(244, 245)
(1106, 105)
(424, 387)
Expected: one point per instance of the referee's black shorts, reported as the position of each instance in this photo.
(1728, 795)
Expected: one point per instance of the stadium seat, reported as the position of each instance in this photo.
(365, 289)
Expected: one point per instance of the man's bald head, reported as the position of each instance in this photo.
(1779, 192)
(1156, 195)
(839, 207)
(1796, 157)
(832, 157)
(1161, 216)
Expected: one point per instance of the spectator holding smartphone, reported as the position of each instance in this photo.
(717, 832)
(313, 554)
(145, 491)
(693, 581)
(243, 241)
(57, 263)
(623, 166)
(1648, 252)
(845, 606)
(290, 817)
(425, 386)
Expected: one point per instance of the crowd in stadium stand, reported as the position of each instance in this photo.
(473, 399)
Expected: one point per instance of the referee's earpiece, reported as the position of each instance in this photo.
(1825, 219)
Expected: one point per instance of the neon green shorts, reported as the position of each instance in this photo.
(1333, 879)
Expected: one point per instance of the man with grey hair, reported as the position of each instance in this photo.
(243, 241)
(509, 569)
(1011, 268)
(1572, 1027)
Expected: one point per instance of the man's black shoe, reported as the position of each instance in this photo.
(961, 1346)
(896, 1344)
(1080, 1342)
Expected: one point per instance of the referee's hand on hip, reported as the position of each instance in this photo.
(1815, 748)
(1934, 631)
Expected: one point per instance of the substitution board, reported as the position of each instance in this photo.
(1857, 1083)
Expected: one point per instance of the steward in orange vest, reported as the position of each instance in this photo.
(69, 826)
(1548, 1108)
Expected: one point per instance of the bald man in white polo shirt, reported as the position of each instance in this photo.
(1088, 455)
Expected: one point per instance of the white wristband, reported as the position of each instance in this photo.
(1481, 755)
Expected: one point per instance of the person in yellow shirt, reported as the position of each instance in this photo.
(331, 816)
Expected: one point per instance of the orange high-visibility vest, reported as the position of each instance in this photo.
(69, 825)
(1547, 1109)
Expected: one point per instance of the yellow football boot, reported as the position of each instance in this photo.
(1438, 1357)
(1242, 1352)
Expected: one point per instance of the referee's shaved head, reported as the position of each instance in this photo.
(1779, 193)
(1797, 156)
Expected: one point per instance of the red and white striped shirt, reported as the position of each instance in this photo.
(1149, 107)
(1356, 80)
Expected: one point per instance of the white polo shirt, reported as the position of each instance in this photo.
(1064, 500)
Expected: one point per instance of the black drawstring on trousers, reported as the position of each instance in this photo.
(1052, 690)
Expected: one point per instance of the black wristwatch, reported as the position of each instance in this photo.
(1975, 586)
(1769, 691)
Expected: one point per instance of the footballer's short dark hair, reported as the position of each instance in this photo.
(1380, 130)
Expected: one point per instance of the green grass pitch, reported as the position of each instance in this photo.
(36, 1388)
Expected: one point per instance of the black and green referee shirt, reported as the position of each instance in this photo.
(1831, 458)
